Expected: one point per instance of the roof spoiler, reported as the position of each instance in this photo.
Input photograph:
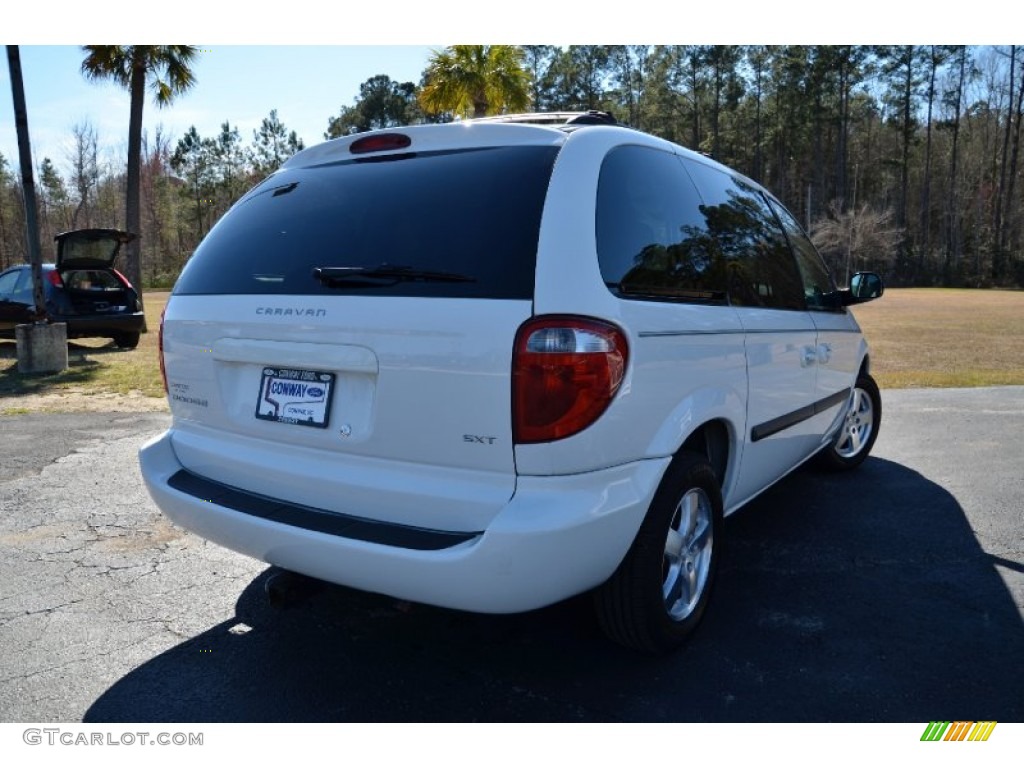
(590, 117)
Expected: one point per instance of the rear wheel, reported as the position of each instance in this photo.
(658, 594)
(860, 429)
(126, 340)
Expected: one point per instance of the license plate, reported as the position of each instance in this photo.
(293, 396)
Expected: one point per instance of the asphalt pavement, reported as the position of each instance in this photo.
(894, 594)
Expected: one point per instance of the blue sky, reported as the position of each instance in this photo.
(235, 83)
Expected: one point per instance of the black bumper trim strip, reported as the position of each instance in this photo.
(313, 519)
(769, 428)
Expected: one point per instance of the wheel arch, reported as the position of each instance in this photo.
(865, 365)
(714, 441)
(709, 422)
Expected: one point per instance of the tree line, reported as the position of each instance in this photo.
(901, 159)
(185, 186)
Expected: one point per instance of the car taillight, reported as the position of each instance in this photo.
(55, 279)
(565, 372)
(124, 280)
(160, 349)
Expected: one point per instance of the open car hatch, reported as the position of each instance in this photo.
(90, 248)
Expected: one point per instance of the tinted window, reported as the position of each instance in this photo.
(652, 240)
(817, 283)
(24, 280)
(99, 246)
(471, 213)
(7, 282)
(759, 265)
(23, 289)
(16, 285)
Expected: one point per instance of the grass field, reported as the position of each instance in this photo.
(95, 367)
(918, 337)
(938, 337)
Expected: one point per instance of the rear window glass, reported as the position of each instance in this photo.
(473, 215)
(652, 238)
(88, 246)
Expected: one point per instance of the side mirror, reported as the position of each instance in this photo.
(864, 286)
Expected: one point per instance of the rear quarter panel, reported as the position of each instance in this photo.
(686, 361)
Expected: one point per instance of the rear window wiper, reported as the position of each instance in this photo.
(385, 274)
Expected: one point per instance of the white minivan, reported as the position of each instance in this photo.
(493, 364)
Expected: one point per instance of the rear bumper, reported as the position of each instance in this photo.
(556, 537)
(104, 325)
(81, 327)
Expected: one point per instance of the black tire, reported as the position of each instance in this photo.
(632, 606)
(126, 340)
(859, 431)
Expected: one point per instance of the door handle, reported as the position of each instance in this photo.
(808, 356)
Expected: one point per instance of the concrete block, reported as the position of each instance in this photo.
(42, 347)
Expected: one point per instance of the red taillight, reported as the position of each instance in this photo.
(160, 349)
(565, 372)
(379, 143)
(123, 279)
(55, 279)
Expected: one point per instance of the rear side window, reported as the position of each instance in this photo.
(652, 239)
(473, 215)
(8, 281)
(760, 269)
(16, 286)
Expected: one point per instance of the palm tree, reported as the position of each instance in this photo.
(167, 70)
(478, 79)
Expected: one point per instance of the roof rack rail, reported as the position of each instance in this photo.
(591, 117)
